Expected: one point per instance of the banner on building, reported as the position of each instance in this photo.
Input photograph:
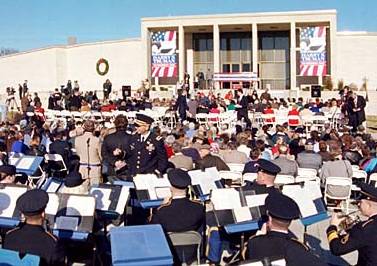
(313, 51)
(164, 56)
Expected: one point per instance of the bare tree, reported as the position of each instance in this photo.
(7, 51)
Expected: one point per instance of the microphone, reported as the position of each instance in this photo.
(87, 141)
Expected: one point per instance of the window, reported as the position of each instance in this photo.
(246, 68)
(235, 68)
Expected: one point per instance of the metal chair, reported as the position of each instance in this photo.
(189, 238)
(344, 183)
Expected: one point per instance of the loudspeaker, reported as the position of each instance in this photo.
(316, 91)
(126, 91)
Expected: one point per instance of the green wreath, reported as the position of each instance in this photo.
(100, 62)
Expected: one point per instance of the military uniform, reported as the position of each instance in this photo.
(279, 244)
(361, 237)
(34, 239)
(146, 156)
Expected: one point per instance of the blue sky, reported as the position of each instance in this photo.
(27, 24)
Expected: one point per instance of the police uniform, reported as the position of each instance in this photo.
(361, 237)
(34, 239)
(180, 214)
(277, 244)
(146, 153)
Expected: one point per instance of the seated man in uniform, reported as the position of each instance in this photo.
(31, 237)
(179, 213)
(264, 184)
(274, 240)
(363, 235)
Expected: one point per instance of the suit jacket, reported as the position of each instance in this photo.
(119, 139)
(181, 105)
(244, 104)
(308, 159)
(358, 117)
(288, 167)
(81, 147)
(212, 161)
(61, 147)
(182, 161)
(233, 156)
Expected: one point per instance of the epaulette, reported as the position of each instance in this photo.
(366, 223)
(12, 230)
(299, 242)
(165, 204)
(51, 235)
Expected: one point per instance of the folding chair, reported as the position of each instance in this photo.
(373, 179)
(284, 179)
(359, 175)
(235, 177)
(306, 174)
(57, 163)
(201, 118)
(249, 177)
(236, 167)
(189, 238)
(340, 183)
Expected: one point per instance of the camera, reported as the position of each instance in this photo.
(11, 91)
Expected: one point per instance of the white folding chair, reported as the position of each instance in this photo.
(57, 158)
(201, 118)
(307, 172)
(213, 119)
(284, 179)
(359, 174)
(250, 177)
(344, 184)
(236, 167)
(373, 179)
(355, 167)
(189, 238)
(230, 175)
(269, 119)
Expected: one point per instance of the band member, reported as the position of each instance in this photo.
(30, 237)
(363, 235)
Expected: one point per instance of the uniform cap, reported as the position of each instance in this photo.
(8, 169)
(368, 191)
(179, 178)
(142, 119)
(73, 179)
(282, 207)
(268, 167)
(32, 202)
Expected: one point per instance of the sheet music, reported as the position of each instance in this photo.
(102, 196)
(66, 223)
(163, 192)
(141, 182)
(255, 200)
(53, 187)
(85, 205)
(303, 199)
(25, 163)
(206, 180)
(212, 173)
(8, 199)
(225, 199)
(123, 198)
(53, 204)
(150, 182)
(242, 214)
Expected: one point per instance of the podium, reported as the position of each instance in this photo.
(142, 245)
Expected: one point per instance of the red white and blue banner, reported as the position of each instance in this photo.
(164, 56)
(313, 51)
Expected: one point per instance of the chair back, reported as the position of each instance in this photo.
(373, 179)
(307, 172)
(359, 174)
(230, 175)
(189, 238)
(250, 177)
(236, 167)
(340, 183)
(284, 179)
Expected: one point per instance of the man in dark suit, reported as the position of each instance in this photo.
(118, 140)
(146, 153)
(242, 108)
(61, 146)
(355, 109)
(179, 213)
(181, 105)
(30, 237)
(275, 242)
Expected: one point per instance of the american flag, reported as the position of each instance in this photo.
(164, 54)
(313, 51)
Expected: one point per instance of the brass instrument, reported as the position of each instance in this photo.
(350, 221)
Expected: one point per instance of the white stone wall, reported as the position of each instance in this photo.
(47, 69)
(357, 58)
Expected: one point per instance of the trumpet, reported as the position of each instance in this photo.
(350, 220)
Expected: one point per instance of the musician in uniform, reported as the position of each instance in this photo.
(30, 237)
(179, 213)
(362, 236)
(264, 184)
(146, 153)
(274, 241)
